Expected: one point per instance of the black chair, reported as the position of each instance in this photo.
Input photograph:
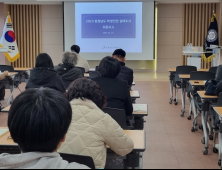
(119, 116)
(82, 69)
(177, 81)
(6, 68)
(93, 74)
(84, 160)
(201, 75)
(213, 70)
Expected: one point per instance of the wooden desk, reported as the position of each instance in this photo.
(171, 70)
(203, 96)
(134, 94)
(184, 76)
(22, 69)
(6, 109)
(218, 110)
(86, 75)
(142, 112)
(138, 137)
(197, 83)
(11, 74)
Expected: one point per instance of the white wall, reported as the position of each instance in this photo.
(52, 31)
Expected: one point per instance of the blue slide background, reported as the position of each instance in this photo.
(103, 27)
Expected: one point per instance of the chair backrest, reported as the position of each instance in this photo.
(219, 102)
(82, 69)
(184, 70)
(93, 74)
(213, 70)
(6, 68)
(84, 160)
(118, 115)
(201, 75)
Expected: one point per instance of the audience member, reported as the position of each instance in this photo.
(82, 62)
(91, 129)
(38, 121)
(67, 70)
(44, 75)
(116, 91)
(125, 73)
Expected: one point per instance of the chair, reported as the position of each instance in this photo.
(213, 70)
(177, 81)
(6, 68)
(82, 69)
(119, 116)
(93, 74)
(84, 160)
(197, 75)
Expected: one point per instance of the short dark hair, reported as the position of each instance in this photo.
(84, 88)
(39, 119)
(75, 48)
(44, 60)
(109, 67)
(120, 53)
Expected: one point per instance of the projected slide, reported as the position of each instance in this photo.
(104, 27)
(108, 25)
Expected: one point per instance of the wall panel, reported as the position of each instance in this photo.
(27, 26)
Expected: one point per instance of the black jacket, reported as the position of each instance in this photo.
(44, 77)
(68, 73)
(117, 93)
(126, 74)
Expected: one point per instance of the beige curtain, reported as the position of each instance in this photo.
(196, 21)
(27, 26)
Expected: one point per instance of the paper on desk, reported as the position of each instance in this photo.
(3, 131)
(139, 107)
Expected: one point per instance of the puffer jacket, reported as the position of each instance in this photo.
(91, 130)
(126, 74)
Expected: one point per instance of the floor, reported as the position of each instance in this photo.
(170, 142)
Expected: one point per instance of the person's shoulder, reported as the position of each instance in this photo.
(129, 69)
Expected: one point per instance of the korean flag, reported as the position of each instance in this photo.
(8, 40)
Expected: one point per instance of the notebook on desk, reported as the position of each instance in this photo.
(140, 108)
(3, 132)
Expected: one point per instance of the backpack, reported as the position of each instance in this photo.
(211, 87)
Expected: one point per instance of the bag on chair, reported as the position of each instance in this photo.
(211, 87)
(2, 91)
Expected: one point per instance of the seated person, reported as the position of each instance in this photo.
(44, 75)
(38, 121)
(67, 70)
(125, 73)
(82, 62)
(116, 91)
(91, 129)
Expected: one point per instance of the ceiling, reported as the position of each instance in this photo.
(60, 1)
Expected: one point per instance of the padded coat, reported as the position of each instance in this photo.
(126, 74)
(91, 130)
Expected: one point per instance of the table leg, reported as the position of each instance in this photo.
(194, 128)
(183, 96)
(220, 145)
(204, 116)
(171, 90)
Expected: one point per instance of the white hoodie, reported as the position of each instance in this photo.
(36, 160)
